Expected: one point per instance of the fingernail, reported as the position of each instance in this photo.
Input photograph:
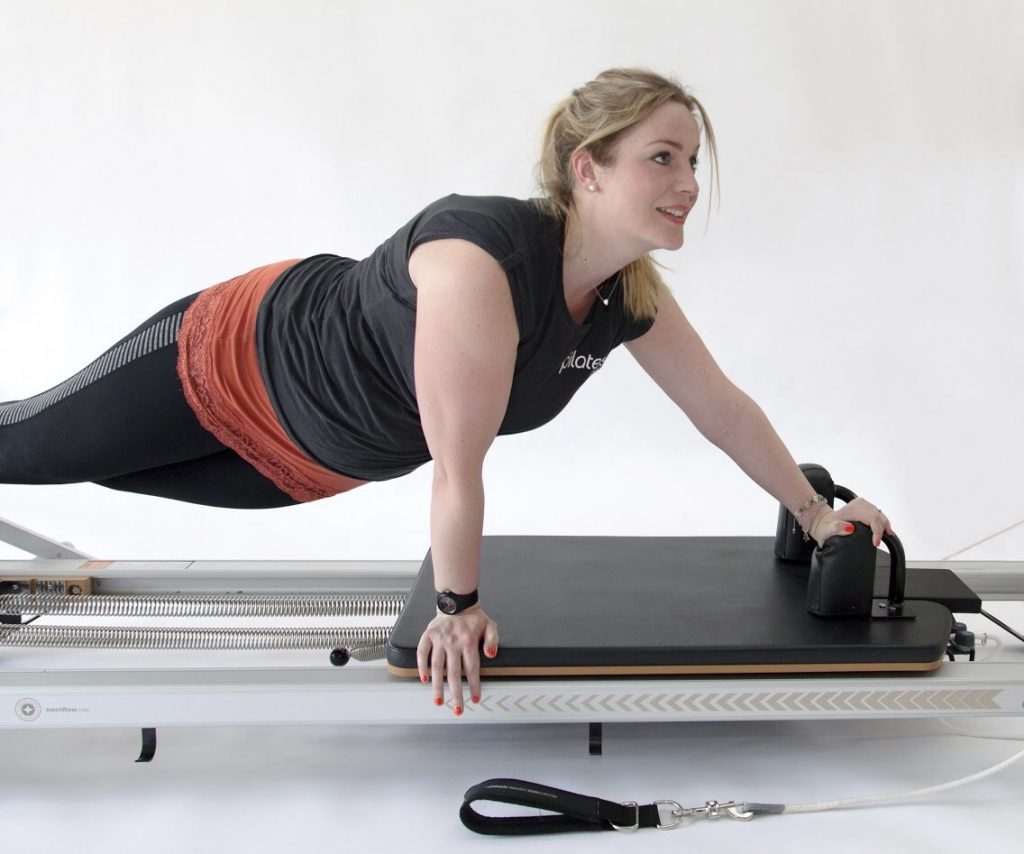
(476, 699)
(458, 710)
(848, 529)
(424, 678)
(492, 651)
(438, 701)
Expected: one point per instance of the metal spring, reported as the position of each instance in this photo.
(117, 637)
(368, 653)
(159, 605)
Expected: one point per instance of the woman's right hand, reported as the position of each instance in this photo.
(453, 641)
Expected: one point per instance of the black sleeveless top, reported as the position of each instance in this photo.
(335, 337)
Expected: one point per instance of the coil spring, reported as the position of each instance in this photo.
(368, 653)
(156, 605)
(364, 640)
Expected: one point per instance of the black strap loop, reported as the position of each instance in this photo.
(577, 812)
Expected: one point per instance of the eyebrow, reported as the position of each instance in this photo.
(675, 145)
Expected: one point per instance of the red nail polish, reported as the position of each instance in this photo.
(438, 701)
(848, 529)
(424, 678)
(476, 699)
(492, 651)
(458, 710)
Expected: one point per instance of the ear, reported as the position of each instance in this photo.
(584, 169)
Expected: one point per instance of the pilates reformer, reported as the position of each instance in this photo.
(728, 632)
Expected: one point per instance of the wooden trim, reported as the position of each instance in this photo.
(693, 669)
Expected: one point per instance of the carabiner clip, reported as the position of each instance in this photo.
(713, 809)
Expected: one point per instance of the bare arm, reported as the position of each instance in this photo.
(675, 357)
(466, 339)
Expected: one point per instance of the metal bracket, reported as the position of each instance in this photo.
(148, 745)
(37, 544)
(882, 610)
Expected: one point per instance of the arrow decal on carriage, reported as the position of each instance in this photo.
(783, 702)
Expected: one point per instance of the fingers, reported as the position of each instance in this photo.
(471, 662)
(423, 657)
(874, 518)
(450, 650)
(879, 526)
(491, 639)
(455, 682)
(430, 664)
(437, 674)
(471, 658)
(860, 510)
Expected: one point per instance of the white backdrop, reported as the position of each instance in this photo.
(862, 279)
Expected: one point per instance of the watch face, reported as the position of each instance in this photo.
(446, 604)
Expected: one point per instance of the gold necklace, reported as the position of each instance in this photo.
(611, 293)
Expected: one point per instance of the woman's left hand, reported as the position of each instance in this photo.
(837, 522)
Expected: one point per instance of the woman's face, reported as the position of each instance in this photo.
(647, 191)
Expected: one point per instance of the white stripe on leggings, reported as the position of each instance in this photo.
(161, 334)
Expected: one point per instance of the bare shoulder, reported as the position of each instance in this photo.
(460, 284)
(451, 259)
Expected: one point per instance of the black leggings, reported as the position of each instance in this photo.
(123, 422)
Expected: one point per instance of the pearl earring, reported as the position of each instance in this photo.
(592, 187)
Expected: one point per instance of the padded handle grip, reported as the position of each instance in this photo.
(842, 577)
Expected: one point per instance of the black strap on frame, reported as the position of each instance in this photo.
(575, 812)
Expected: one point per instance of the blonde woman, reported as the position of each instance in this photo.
(481, 316)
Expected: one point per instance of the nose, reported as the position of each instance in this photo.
(687, 185)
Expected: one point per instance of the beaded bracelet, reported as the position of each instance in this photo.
(821, 514)
(810, 502)
(807, 505)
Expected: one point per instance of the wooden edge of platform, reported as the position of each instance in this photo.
(693, 669)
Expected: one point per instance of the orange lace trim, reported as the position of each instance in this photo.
(219, 372)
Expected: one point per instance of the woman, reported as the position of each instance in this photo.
(481, 316)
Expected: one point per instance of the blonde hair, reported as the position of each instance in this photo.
(593, 118)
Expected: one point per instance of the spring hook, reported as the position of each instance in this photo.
(711, 809)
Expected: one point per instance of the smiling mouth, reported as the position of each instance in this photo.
(677, 215)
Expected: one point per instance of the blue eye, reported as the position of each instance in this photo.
(694, 162)
(664, 154)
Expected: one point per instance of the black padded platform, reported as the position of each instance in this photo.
(644, 605)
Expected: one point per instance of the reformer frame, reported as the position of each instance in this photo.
(218, 693)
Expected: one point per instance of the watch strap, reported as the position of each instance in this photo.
(455, 603)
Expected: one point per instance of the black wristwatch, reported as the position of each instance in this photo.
(454, 603)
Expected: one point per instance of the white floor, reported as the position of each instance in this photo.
(399, 789)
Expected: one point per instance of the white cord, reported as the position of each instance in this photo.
(986, 642)
(846, 803)
(991, 536)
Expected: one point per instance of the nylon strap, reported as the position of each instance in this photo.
(575, 812)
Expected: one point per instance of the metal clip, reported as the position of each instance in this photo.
(679, 813)
(713, 809)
